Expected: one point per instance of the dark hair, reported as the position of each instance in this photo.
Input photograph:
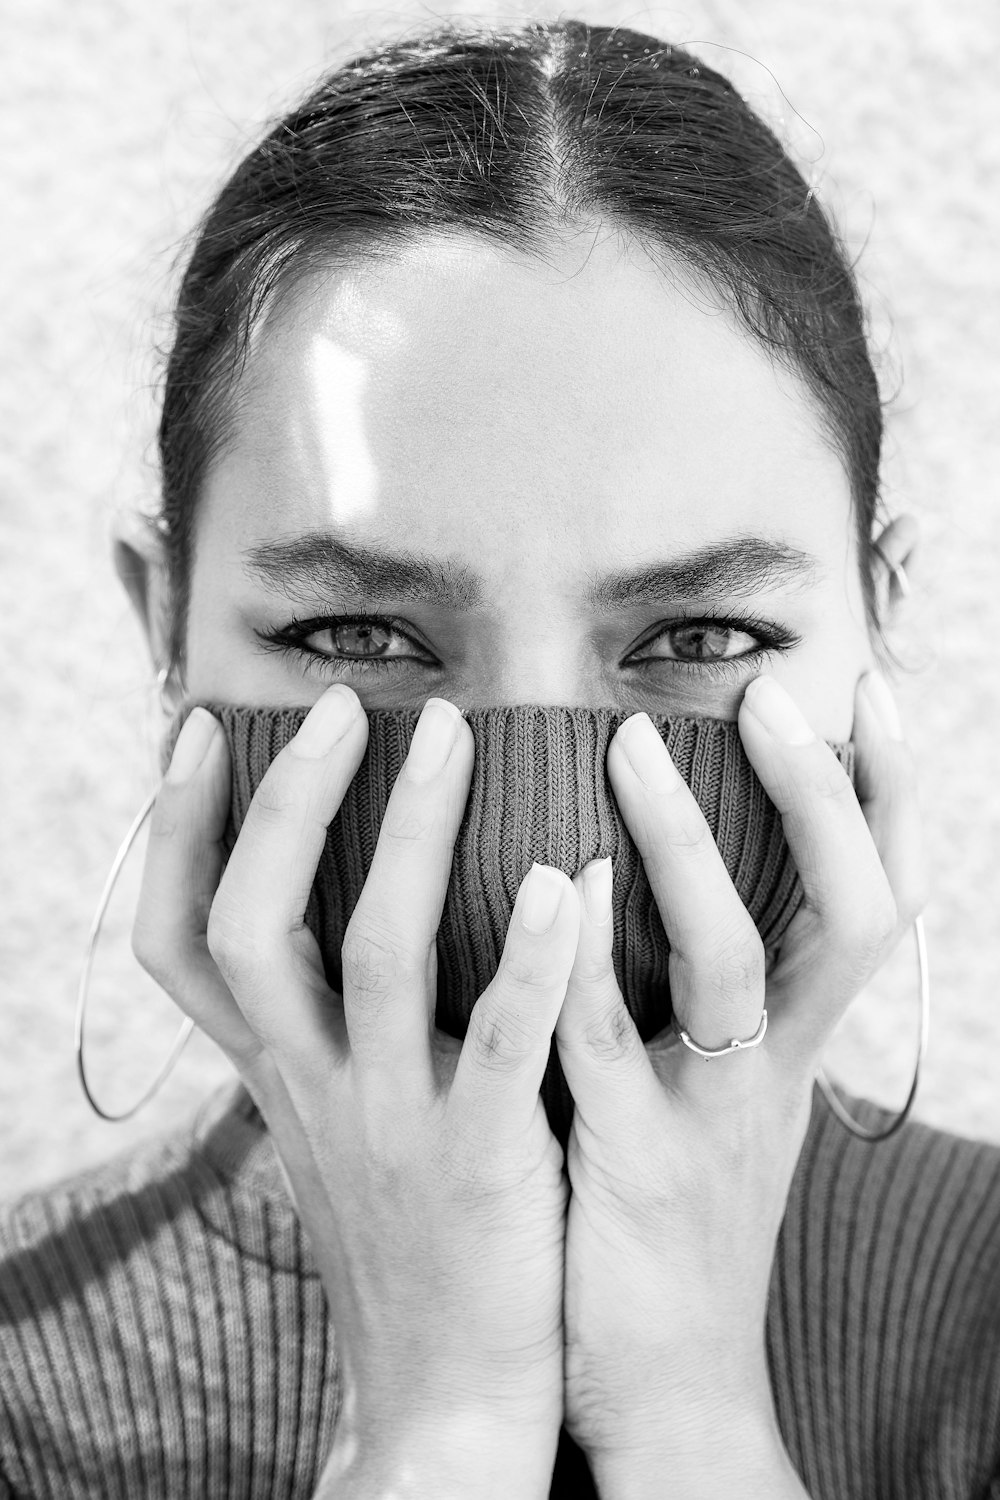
(517, 134)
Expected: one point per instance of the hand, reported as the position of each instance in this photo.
(680, 1167)
(424, 1171)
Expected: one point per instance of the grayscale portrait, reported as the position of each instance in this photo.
(501, 576)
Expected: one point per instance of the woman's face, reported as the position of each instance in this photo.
(469, 473)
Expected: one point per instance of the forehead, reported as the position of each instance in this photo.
(469, 399)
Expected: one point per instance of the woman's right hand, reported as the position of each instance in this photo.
(424, 1171)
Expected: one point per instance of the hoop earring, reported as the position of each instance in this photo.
(846, 1119)
(84, 987)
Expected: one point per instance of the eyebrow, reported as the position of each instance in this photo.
(318, 563)
(741, 565)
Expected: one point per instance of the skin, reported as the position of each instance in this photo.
(541, 424)
(534, 426)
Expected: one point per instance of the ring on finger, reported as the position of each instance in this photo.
(736, 1045)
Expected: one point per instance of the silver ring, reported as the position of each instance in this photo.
(736, 1045)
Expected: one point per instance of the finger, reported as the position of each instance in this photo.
(839, 936)
(885, 780)
(390, 947)
(184, 861)
(716, 958)
(256, 929)
(602, 1055)
(503, 1058)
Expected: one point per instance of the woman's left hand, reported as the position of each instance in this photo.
(680, 1168)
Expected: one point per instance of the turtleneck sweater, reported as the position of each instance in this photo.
(539, 792)
(164, 1332)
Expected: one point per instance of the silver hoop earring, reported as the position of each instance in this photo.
(88, 962)
(846, 1119)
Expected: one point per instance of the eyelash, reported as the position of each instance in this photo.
(287, 642)
(773, 639)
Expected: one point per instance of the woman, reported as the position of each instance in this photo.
(519, 415)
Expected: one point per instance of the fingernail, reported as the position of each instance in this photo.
(541, 895)
(433, 740)
(196, 735)
(879, 695)
(326, 723)
(769, 703)
(648, 755)
(597, 880)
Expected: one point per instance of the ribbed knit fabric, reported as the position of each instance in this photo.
(164, 1335)
(539, 791)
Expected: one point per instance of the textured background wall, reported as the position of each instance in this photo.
(120, 118)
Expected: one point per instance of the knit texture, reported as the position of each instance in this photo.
(164, 1334)
(540, 791)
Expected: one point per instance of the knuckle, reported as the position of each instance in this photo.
(500, 1038)
(881, 921)
(866, 930)
(739, 970)
(233, 941)
(689, 835)
(532, 977)
(730, 984)
(611, 1033)
(830, 781)
(271, 802)
(738, 964)
(406, 825)
(166, 822)
(374, 961)
(152, 953)
(596, 981)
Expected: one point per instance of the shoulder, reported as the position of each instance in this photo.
(38, 1218)
(86, 1224)
(884, 1321)
(924, 1201)
(161, 1300)
(912, 1222)
(191, 1219)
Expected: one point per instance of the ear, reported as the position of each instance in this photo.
(898, 545)
(140, 561)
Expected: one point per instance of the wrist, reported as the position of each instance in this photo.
(696, 1455)
(447, 1456)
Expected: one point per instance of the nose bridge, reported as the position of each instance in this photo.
(538, 651)
(535, 642)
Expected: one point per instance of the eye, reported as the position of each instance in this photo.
(702, 640)
(711, 643)
(359, 640)
(352, 642)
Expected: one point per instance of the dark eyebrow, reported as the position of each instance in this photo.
(743, 565)
(317, 563)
